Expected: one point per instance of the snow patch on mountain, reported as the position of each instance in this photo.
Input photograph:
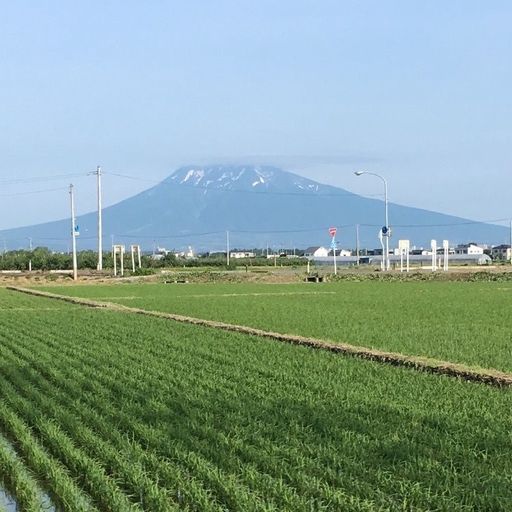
(244, 178)
(306, 186)
(258, 181)
(194, 175)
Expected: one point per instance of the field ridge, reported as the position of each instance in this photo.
(424, 364)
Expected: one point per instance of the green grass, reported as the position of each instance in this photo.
(468, 323)
(114, 411)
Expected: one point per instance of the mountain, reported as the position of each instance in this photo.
(259, 206)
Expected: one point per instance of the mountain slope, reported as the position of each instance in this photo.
(259, 205)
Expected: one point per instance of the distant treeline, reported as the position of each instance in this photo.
(45, 259)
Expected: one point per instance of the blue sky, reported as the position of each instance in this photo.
(418, 91)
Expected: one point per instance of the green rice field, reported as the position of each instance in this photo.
(111, 411)
(462, 322)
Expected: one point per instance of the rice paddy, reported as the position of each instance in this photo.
(106, 410)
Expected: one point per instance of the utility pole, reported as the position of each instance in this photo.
(100, 226)
(334, 255)
(510, 240)
(73, 233)
(387, 221)
(332, 233)
(227, 247)
(30, 258)
(357, 244)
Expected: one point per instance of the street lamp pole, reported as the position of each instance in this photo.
(386, 214)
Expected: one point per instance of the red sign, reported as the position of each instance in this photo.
(332, 232)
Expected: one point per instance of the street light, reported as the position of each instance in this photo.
(386, 221)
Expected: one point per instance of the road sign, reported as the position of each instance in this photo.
(404, 245)
(332, 232)
(433, 245)
(384, 230)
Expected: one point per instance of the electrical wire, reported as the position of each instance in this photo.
(186, 235)
(14, 194)
(269, 232)
(308, 230)
(240, 191)
(448, 224)
(210, 233)
(39, 179)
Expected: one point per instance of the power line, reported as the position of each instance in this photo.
(39, 179)
(307, 230)
(310, 194)
(211, 233)
(14, 194)
(269, 232)
(158, 237)
(448, 224)
(240, 191)
(277, 232)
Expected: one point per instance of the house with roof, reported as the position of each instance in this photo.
(341, 252)
(470, 248)
(501, 252)
(316, 252)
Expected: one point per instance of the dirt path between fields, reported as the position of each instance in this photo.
(486, 376)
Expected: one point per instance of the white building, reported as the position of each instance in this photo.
(159, 253)
(470, 248)
(241, 254)
(404, 247)
(188, 254)
(341, 252)
(316, 252)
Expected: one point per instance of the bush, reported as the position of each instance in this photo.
(144, 272)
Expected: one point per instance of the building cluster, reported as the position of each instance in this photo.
(496, 252)
(160, 253)
(472, 252)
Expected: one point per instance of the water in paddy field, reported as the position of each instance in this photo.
(7, 503)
